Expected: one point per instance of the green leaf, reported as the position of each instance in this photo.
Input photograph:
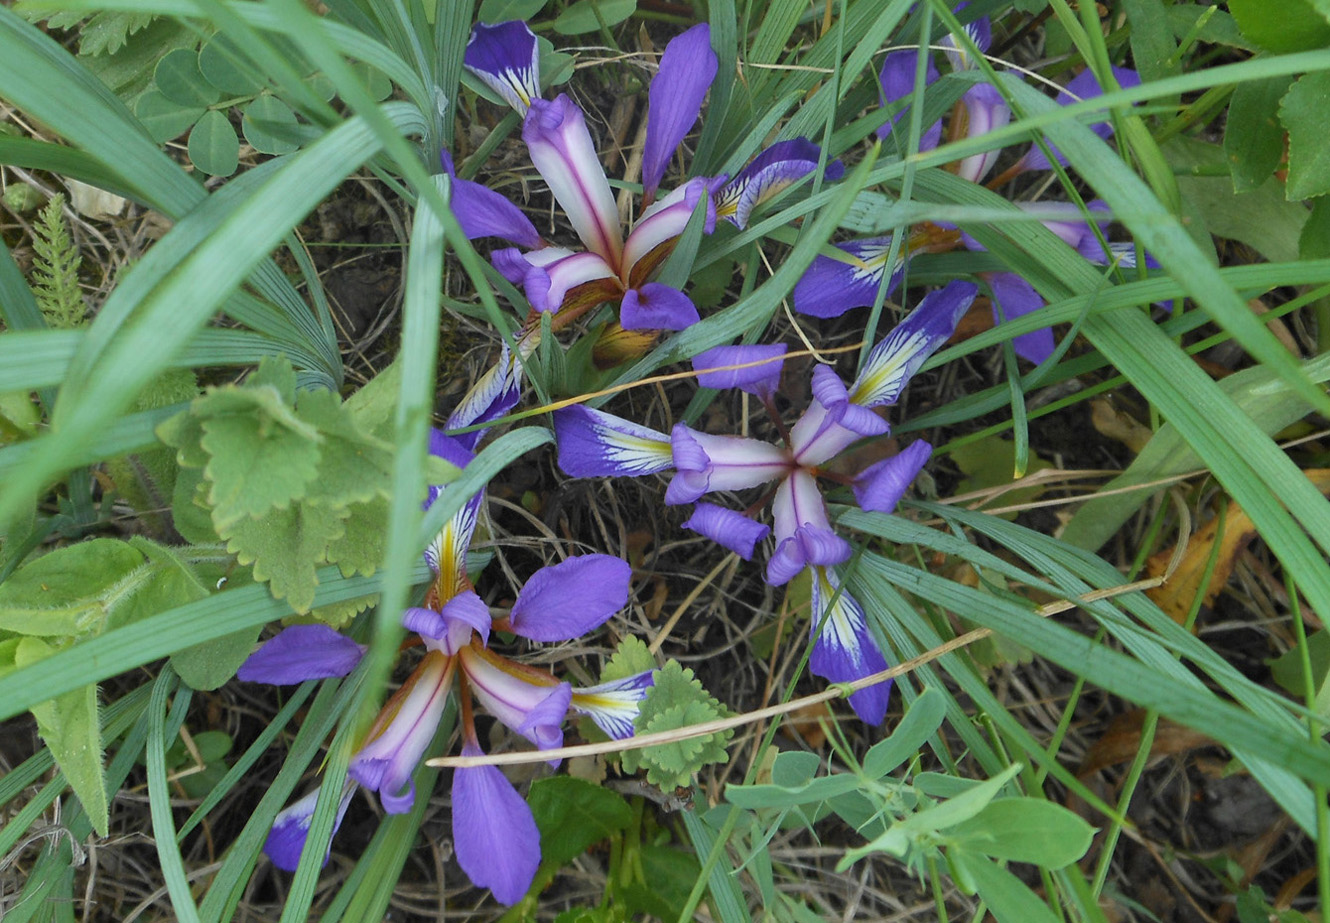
(179, 79)
(69, 726)
(70, 591)
(169, 583)
(270, 126)
(374, 80)
(1025, 830)
(361, 547)
(630, 658)
(1007, 897)
(213, 145)
(1253, 136)
(1303, 113)
(921, 721)
(210, 665)
(492, 11)
(163, 118)
(573, 814)
(675, 700)
(189, 508)
(108, 31)
(352, 467)
(257, 462)
(222, 64)
(1314, 242)
(580, 17)
(285, 546)
(1281, 25)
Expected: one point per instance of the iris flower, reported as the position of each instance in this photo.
(592, 443)
(494, 834)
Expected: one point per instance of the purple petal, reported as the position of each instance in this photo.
(496, 393)
(706, 463)
(299, 653)
(1084, 85)
(549, 274)
(735, 531)
(894, 361)
(798, 504)
(482, 212)
(533, 709)
(768, 174)
(687, 69)
(290, 830)
(662, 224)
(1018, 298)
(761, 380)
(897, 82)
(654, 306)
(506, 58)
(494, 833)
(985, 111)
(560, 145)
(880, 486)
(831, 424)
(451, 449)
(830, 287)
(593, 443)
(806, 547)
(451, 628)
(614, 705)
(571, 598)
(846, 650)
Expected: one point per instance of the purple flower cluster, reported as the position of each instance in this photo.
(494, 833)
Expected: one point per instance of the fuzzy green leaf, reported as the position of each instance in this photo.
(630, 658)
(257, 461)
(70, 728)
(1303, 113)
(71, 591)
(210, 665)
(677, 700)
(361, 547)
(286, 547)
(107, 32)
(352, 467)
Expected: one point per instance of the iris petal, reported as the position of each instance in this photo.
(735, 531)
(571, 598)
(880, 486)
(494, 833)
(687, 69)
(593, 443)
(506, 58)
(299, 653)
(846, 650)
(894, 361)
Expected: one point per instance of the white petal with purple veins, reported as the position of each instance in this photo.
(894, 361)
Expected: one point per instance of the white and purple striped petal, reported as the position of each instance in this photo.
(803, 531)
(549, 274)
(614, 705)
(290, 829)
(496, 393)
(1017, 298)
(495, 836)
(980, 32)
(768, 174)
(705, 463)
(897, 82)
(662, 223)
(556, 135)
(880, 486)
(299, 653)
(571, 598)
(1084, 86)
(831, 287)
(687, 69)
(506, 58)
(654, 306)
(893, 361)
(402, 733)
(985, 111)
(535, 710)
(831, 424)
(482, 212)
(735, 531)
(593, 443)
(760, 379)
(846, 650)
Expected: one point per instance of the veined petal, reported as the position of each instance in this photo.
(831, 424)
(450, 629)
(614, 705)
(735, 531)
(561, 149)
(593, 443)
(798, 502)
(496, 393)
(654, 306)
(506, 58)
(533, 709)
(290, 829)
(893, 361)
(446, 554)
(482, 212)
(846, 650)
(897, 82)
(880, 486)
(761, 380)
(674, 100)
(705, 463)
(1084, 85)
(494, 833)
(661, 224)
(571, 598)
(1018, 298)
(807, 546)
(768, 174)
(549, 274)
(402, 732)
(299, 653)
(985, 111)
(830, 287)
(980, 33)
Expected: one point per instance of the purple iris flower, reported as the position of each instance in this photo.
(595, 443)
(831, 286)
(496, 839)
(767, 175)
(506, 58)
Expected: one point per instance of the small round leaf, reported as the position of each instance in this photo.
(180, 80)
(227, 69)
(322, 87)
(270, 126)
(163, 118)
(213, 145)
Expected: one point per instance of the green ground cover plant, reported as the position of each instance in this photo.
(618, 459)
